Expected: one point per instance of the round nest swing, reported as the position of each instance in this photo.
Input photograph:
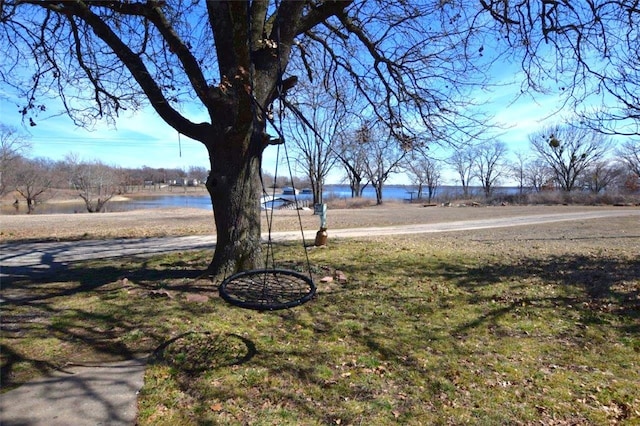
(267, 289)
(272, 288)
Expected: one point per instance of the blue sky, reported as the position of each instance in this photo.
(140, 139)
(143, 139)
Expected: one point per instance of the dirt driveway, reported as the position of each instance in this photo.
(18, 258)
(184, 222)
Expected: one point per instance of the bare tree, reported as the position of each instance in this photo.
(463, 160)
(13, 145)
(489, 164)
(629, 152)
(352, 156)
(424, 171)
(151, 175)
(33, 180)
(384, 155)
(198, 172)
(414, 63)
(320, 118)
(628, 182)
(587, 51)
(537, 174)
(568, 151)
(519, 171)
(95, 182)
(600, 175)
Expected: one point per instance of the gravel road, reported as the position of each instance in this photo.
(20, 258)
(182, 222)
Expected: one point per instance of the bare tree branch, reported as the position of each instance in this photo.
(585, 51)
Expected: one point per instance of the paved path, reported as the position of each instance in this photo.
(80, 395)
(107, 394)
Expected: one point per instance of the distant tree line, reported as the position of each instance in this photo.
(34, 180)
(329, 133)
(561, 158)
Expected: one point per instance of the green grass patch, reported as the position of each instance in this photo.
(426, 330)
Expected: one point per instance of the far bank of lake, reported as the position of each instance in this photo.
(199, 198)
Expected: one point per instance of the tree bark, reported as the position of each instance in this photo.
(378, 189)
(235, 190)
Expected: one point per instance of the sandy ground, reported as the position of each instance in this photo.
(181, 222)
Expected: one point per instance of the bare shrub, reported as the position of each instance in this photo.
(348, 203)
(580, 197)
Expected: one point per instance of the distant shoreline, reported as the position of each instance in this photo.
(67, 197)
(65, 201)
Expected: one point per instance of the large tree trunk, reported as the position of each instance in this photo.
(378, 189)
(356, 188)
(235, 189)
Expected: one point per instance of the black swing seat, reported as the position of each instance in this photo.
(267, 289)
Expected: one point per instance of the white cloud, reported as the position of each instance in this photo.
(138, 139)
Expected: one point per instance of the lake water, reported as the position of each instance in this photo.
(389, 193)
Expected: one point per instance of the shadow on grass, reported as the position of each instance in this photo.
(402, 323)
(10, 358)
(188, 351)
(590, 286)
(96, 308)
(594, 280)
(23, 285)
(398, 313)
(586, 283)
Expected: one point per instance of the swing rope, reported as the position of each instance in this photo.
(270, 288)
(279, 129)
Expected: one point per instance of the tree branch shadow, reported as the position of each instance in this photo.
(586, 282)
(34, 305)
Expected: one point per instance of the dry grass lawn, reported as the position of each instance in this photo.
(531, 325)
